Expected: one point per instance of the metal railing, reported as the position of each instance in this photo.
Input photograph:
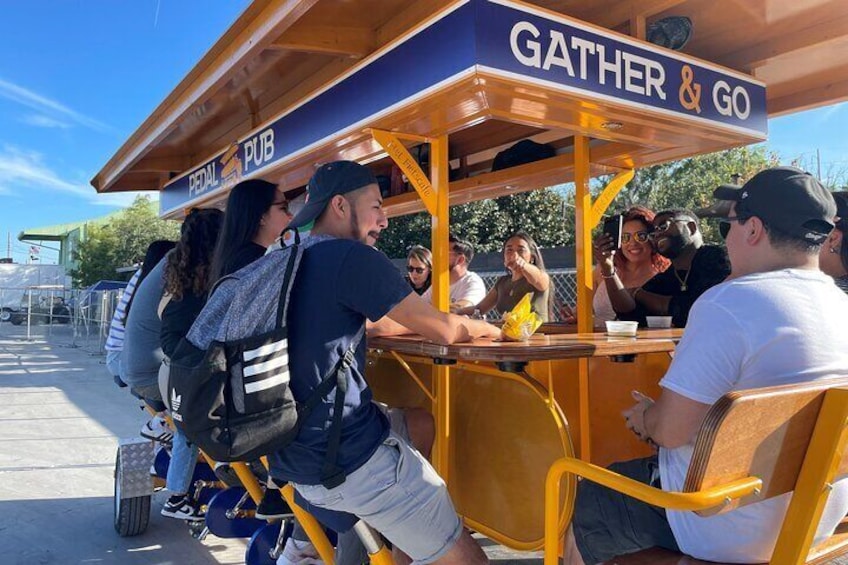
(80, 316)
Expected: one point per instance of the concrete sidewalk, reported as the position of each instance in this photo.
(60, 420)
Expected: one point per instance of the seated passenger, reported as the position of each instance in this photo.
(763, 327)
(343, 281)
(834, 253)
(115, 341)
(695, 267)
(186, 287)
(419, 268)
(466, 287)
(635, 263)
(526, 275)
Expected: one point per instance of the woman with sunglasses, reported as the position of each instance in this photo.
(833, 257)
(636, 262)
(257, 212)
(419, 266)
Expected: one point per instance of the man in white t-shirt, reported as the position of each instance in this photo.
(466, 287)
(776, 320)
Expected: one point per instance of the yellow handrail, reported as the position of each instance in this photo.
(700, 500)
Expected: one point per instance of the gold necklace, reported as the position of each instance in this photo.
(682, 281)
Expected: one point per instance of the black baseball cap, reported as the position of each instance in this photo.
(787, 198)
(338, 177)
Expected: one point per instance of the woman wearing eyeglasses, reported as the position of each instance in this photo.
(833, 257)
(419, 266)
(257, 212)
(636, 263)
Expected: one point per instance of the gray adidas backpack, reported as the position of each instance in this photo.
(229, 378)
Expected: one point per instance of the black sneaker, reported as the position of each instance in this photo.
(272, 506)
(179, 506)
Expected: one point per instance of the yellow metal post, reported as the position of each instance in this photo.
(313, 529)
(440, 222)
(585, 323)
(821, 463)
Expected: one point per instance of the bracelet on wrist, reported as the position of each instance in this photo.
(609, 276)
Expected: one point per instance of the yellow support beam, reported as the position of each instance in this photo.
(821, 463)
(608, 194)
(391, 143)
(440, 222)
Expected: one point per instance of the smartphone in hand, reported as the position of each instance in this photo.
(612, 227)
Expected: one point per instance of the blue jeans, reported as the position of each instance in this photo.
(181, 468)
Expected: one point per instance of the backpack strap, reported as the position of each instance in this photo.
(285, 290)
(332, 475)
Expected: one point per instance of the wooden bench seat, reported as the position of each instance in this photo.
(788, 438)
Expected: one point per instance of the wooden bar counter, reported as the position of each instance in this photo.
(514, 409)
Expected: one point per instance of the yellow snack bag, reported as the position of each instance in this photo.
(521, 322)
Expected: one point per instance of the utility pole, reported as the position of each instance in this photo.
(818, 164)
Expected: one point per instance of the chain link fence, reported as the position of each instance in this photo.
(564, 284)
(75, 318)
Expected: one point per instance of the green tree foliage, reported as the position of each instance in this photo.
(487, 223)
(548, 215)
(689, 183)
(120, 242)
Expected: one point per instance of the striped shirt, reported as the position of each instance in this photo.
(115, 341)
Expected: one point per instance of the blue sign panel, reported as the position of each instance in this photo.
(500, 37)
(436, 53)
(563, 52)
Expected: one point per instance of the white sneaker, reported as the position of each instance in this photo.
(297, 552)
(157, 429)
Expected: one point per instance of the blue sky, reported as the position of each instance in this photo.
(78, 77)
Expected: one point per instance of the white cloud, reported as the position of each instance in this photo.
(20, 169)
(42, 121)
(47, 106)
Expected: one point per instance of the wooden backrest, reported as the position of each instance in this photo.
(762, 433)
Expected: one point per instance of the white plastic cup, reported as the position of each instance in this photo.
(658, 321)
(622, 329)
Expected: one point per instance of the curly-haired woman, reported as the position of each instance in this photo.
(187, 273)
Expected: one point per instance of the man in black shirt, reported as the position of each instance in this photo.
(695, 267)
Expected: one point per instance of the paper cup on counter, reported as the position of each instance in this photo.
(622, 329)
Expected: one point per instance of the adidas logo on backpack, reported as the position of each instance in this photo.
(176, 400)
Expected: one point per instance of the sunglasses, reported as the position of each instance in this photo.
(418, 270)
(724, 224)
(639, 236)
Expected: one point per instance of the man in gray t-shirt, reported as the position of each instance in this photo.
(143, 355)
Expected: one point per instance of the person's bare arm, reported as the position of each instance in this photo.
(485, 305)
(672, 421)
(414, 315)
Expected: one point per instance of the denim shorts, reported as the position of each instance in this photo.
(608, 524)
(398, 493)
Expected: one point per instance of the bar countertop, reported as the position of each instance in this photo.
(542, 346)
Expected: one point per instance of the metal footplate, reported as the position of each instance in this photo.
(136, 457)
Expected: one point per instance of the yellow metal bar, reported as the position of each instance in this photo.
(405, 366)
(439, 167)
(608, 194)
(701, 500)
(311, 526)
(585, 322)
(382, 557)
(821, 463)
(248, 479)
(399, 154)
